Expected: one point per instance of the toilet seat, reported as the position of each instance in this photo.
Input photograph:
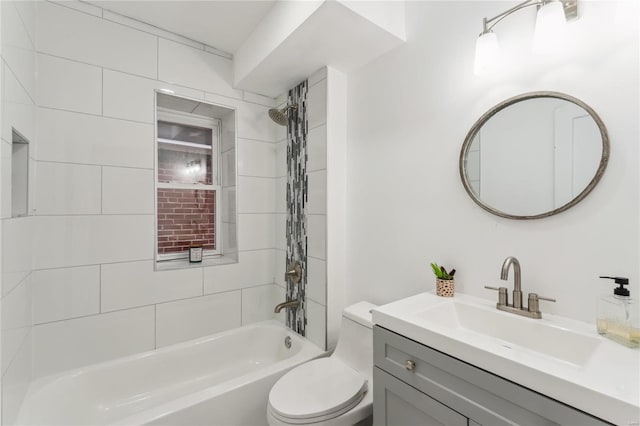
(317, 391)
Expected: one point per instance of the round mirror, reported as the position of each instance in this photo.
(534, 155)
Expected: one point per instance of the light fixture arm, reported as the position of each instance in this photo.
(570, 10)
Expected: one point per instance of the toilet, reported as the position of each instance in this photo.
(336, 390)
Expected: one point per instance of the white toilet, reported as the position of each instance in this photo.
(331, 391)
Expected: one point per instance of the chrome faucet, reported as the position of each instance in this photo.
(517, 284)
(294, 273)
(289, 304)
(533, 310)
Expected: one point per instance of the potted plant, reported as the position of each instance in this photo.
(445, 285)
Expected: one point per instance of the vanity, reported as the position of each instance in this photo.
(460, 361)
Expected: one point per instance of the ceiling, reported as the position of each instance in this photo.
(223, 24)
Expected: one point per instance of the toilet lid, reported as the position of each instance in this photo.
(318, 388)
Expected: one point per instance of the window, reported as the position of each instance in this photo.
(188, 184)
(195, 182)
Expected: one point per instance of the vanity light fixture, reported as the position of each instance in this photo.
(550, 21)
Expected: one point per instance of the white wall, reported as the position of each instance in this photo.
(96, 295)
(18, 107)
(409, 112)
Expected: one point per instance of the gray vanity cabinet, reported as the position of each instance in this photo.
(415, 385)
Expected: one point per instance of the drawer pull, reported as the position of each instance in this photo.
(410, 365)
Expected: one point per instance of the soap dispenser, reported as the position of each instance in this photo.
(618, 315)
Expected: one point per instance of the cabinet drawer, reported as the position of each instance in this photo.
(475, 393)
(398, 404)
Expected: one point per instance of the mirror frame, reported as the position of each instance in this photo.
(604, 159)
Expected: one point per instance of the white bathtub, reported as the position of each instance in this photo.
(222, 379)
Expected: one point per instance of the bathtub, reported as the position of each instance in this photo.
(222, 379)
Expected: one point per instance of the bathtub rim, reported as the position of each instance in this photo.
(308, 351)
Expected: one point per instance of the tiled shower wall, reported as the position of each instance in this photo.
(315, 289)
(18, 110)
(95, 293)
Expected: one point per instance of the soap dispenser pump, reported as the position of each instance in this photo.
(618, 315)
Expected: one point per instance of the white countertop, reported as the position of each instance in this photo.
(605, 382)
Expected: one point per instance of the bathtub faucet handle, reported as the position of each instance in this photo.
(294, 272)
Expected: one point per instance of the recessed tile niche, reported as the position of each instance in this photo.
(19, 175)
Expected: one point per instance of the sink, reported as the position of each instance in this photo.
(559, 357)
(511, 331)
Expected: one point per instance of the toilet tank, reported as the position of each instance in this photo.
(355, 342)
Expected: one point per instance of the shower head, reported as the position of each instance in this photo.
(281, 116)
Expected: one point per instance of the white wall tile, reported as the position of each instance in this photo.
(259, 99)
(80, 6)
(257, 231)
(18, 109)
(316, 288)
(254, 123)
(89, 240)
(229, 167)
(133, 23)
(316, 329)
(317, 236)
(258, 303)
(125, 285)
(317, 192)
(256, 195)
(321, 74)
(18, 50)
(256, 158)
(280, 295)
(69, 85)
(255, 268)
(281, 158)
(16, 320)
(62, 345)
(67, 189)
(253, 119)
(27, 12)
(192, 318)
(132, 98)
(281, 231)
(229, 204)
(15, 383)
(317, 104)
(5, 176)
(317, 149)
(280, 268)
(80, 138)
(187, 66)
(70, 34)
(65, 293)
(127, 191)
(17, 251)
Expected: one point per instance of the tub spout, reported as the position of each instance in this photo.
(289, 304)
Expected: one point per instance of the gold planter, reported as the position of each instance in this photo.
(445, 288)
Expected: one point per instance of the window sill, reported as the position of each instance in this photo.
(170, 265)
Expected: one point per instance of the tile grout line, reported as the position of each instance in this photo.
(100, 287)
(91, 164)
(182, 86)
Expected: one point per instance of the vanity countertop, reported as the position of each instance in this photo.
(575, 365)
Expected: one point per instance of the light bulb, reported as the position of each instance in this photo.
(550, 28)
(488, 55)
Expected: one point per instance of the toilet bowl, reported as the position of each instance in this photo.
(336, 390)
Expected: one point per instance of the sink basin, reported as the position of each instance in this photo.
(511, 331)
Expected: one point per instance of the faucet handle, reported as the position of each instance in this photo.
(503, 297)
(534, 306)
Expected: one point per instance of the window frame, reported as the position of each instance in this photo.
(179, 117)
